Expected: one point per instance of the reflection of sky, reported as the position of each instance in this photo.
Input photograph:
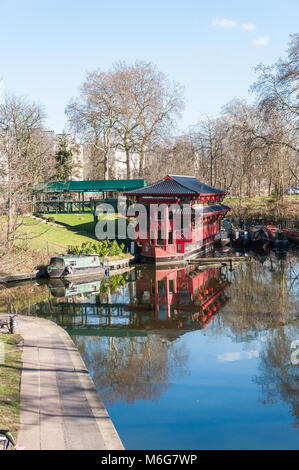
(215, 406)
(237, 356)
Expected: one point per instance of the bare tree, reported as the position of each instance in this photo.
(128, 108)
(277, 91)
(172, 153)
(24, 158)
(150, 113)
(208, 137)
(92, 116)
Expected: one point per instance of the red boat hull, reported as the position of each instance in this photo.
(292, 235)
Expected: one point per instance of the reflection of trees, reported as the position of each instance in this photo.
(279, 377)
(131, 368)
(22, 298)
(112, 283)
(264, 299)
(263, 296)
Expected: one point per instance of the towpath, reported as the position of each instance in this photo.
(60, 407)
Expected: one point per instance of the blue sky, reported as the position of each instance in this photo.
(210, 47)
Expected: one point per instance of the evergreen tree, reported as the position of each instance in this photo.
(64, 156)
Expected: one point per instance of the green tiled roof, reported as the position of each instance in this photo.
(92, 186)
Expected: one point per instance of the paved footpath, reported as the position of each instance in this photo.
(60, 407)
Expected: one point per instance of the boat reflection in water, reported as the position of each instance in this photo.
(60, 288)
(173, 299)
(182, 299)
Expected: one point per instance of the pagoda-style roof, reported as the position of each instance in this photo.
(174, 185)
(211, 209)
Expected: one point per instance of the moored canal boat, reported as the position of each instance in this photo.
(258, 237)
(67, 266)
(222, 238)
(278, 237)
(239, 237)
(292, 235)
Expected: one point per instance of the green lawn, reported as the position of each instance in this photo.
(77, 222)
(10, 375)
(81, 223)
(46, 237)
(43, 236)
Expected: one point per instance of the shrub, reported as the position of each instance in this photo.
(101, 248)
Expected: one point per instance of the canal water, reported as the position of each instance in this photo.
(192, 358)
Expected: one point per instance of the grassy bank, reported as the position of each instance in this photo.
(36, 242)
(39, 235)
(39, 240)
(80, 223)
(10, 377)
(265, 209)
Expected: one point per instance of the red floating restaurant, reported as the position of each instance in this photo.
(201, 210)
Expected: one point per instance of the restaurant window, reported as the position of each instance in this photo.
(161, 287)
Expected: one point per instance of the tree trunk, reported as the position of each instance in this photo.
(269, 186)
(106, 165)
(128, 162)
(141, 162)
(10, 213)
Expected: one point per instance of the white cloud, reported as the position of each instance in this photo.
(237, 356)
(248, 26)
(225, 23)
(261, 41)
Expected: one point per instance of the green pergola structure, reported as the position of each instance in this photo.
(69, 196)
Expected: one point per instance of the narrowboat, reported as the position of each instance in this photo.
(222, 238)
(239, 238)
(277, 237)
(68, 266)
(258, 237)
(292, 235)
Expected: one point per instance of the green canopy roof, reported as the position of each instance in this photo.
(89, 186)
